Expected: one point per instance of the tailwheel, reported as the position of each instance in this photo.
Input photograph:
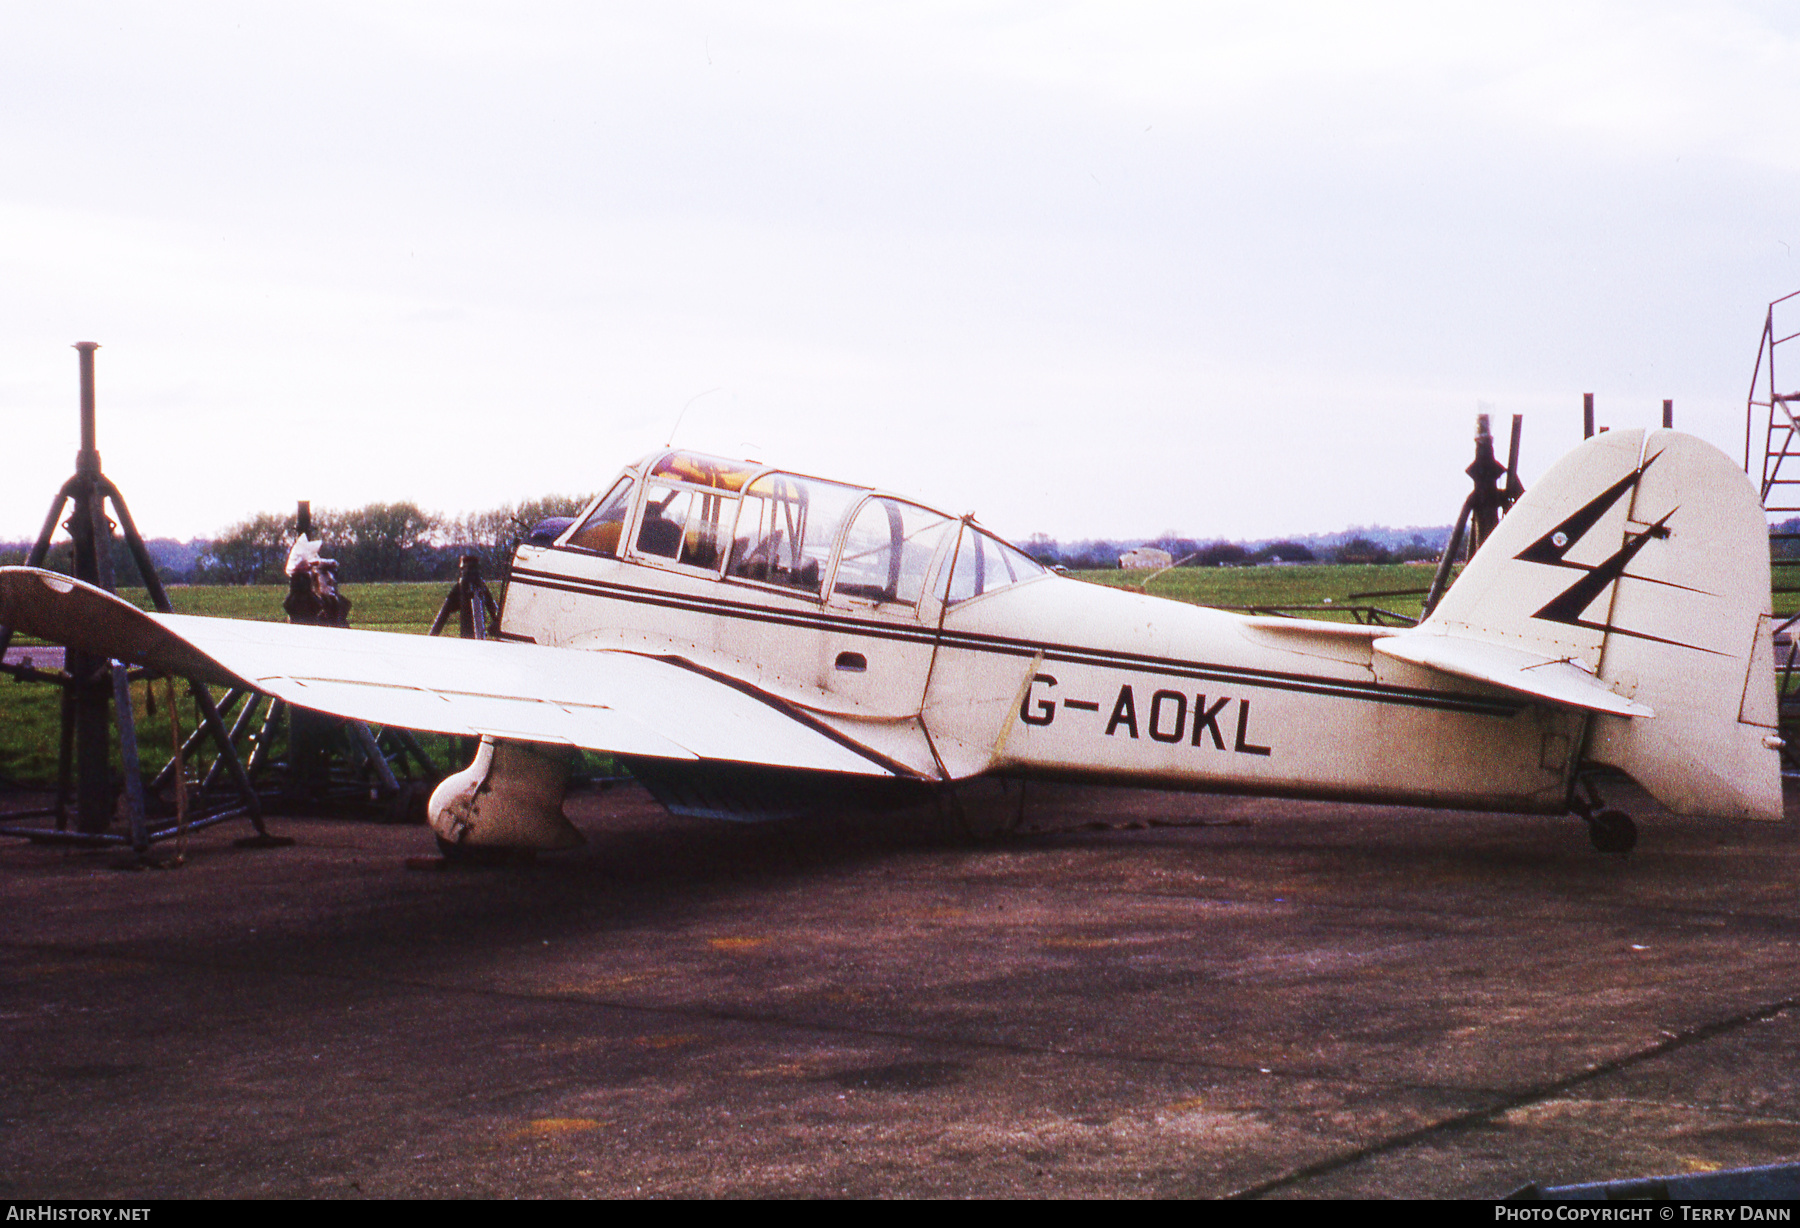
(1612, 831)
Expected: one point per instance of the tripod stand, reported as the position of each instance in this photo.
(91, 684)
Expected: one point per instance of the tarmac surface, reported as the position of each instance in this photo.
(1161, 995)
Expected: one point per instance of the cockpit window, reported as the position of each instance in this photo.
(887, 552)
(983, 564)
(786, 530)
(688, 526)
(600, 533)
(704, 471)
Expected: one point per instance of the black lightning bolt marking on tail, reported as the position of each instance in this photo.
(1566, 607)
(1553, 547)
(1552, 550)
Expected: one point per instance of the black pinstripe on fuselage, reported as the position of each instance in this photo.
(1140, 663)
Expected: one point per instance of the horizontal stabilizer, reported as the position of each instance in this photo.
(619, 702)
(1552, 679)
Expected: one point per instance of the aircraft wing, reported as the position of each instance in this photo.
(621, 702)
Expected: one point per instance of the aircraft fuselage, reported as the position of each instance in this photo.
(1054, 678)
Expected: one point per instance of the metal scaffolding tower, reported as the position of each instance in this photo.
(1777, 475)
(1773, 411)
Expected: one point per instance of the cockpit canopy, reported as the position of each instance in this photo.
(739, 520)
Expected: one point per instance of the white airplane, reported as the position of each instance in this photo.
(753, 642)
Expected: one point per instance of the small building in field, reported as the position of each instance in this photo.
(1145, 558)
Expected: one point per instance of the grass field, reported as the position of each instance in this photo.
(373, 607)
(1240, 587)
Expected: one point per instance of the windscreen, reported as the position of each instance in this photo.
(983, 564)
(600, 532)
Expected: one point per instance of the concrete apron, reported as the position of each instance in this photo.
(1161, 995)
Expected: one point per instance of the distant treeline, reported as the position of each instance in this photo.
(1357, 545)
(380, 542)
(1785, 549)
(1360, 544)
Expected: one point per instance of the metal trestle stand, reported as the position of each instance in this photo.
(96, 692)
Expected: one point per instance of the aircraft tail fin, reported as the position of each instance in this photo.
(1640, 560)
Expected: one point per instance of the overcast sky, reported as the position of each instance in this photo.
(1229, 269)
